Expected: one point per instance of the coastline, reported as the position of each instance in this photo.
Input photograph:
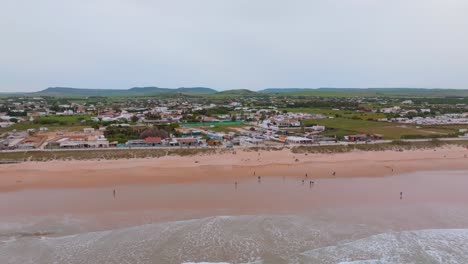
(226, 167)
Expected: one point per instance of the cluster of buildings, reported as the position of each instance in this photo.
(88, 138)
(266, 125)
(446, 119)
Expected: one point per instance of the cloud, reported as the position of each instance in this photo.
(228, 44)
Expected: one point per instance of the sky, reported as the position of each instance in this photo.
(233, 44)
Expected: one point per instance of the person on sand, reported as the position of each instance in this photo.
(235, 185)
(259, 178)
(310, 183)
(302, 182)
(334, 173)
(114, 193)
(306, 175)
(401, 195)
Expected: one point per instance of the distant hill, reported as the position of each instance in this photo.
(415, 92)
(135, 91)
(283, 90)
(196, 91)
(236, 93)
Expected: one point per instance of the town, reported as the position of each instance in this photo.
(240, 120)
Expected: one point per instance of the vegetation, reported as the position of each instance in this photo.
(99, 154)
(72, 122)
(344, 126)
(110, 154)
(395, 145)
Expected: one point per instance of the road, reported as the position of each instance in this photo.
(339, 143)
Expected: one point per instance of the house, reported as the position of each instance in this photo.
(32, 142)
(298, 140)
(288, 123)
(363, 137)
(136, 143)
(4, 144)
(13, 142)
(153, 141)
(395, 109)
(187, 141)
(88, 130)
(78, 141)
(317, 128)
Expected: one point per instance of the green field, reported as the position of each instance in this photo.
(72, 122)
(343, 126)
(340, 113)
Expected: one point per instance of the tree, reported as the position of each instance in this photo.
(154, 132)
(134, 119)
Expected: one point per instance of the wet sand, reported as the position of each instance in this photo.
(354, 199)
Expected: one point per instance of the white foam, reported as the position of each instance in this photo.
(422, 246)
(205, 263)
(242, 239)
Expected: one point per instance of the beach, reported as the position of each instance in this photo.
(248, 207)
(226, 167)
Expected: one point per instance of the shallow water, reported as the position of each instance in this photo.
(276, 220)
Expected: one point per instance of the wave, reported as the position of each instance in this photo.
(242, 239)
(421, 246)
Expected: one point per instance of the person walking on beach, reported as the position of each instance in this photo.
(334, 173)
(235, 185)
(306, 175)
(302, 182)
(114, 193)
(310, 184)
(401, 195)
(259, 178)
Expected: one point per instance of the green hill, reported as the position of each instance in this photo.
(403, 92)
(236, 93)
(135, 91)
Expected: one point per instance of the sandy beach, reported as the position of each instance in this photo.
(226, 167)
(189, 209)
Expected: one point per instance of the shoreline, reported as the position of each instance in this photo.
(226, 167)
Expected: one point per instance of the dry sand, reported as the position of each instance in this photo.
(227, 167)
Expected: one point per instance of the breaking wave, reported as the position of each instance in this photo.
(242, 239)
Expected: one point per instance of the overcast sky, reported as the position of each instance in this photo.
(233, 44)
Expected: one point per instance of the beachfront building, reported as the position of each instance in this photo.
(4, 144)
(298, 140)
(32, 142)
(78, 142)
(145, 143)
(187, 141)
(363, 137)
